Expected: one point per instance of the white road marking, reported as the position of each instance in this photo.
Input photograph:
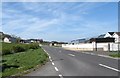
(53, 63)
(51, 60)
(49, 57)
(45, 50)
(109, 67)
(56, 69)
(71, 54)
(60, 76)
(48, 54)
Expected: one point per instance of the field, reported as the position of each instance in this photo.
(17, 63)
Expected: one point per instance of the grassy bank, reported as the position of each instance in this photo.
(18, 58)
(10, 48)
(19, 62)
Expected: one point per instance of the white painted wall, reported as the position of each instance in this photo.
(6, 40)
(114, 47)
(90, 46)
(82, 46)
(117, 38)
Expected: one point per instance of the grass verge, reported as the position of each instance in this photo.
(15, 64)
(115, 55)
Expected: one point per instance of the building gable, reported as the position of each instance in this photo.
(109, 34)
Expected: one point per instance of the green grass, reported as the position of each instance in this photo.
(19, 62)
(115, 55)
(9, 48)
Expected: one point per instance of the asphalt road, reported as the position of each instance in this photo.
(70, 63)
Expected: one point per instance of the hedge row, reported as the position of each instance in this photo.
(9, 48)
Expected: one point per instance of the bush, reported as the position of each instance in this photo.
(33, 46)
(18, 48)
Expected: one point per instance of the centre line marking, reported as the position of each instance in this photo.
(109, 67)
(71, 54)
(56, 68)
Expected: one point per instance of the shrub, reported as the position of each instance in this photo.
(33, 46)
(18, 48)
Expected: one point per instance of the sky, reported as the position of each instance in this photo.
(60, 0)
(59, 21)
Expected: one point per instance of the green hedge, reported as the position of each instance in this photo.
(9, 48)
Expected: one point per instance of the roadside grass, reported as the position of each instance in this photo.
(17, 63)
(117, 54)
(115, 51)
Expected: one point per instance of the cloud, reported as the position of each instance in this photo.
(52, 21)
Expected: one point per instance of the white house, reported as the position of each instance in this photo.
(109, 34)
(116, 35)
(7, 40)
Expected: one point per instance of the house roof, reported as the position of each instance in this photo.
(101, 40)
(111, 33)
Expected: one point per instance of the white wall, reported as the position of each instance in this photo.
(114, 47)
(90, 46)
(81, 46)
(117, 38)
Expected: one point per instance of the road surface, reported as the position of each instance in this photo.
(69, 63)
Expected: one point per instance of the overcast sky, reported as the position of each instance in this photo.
(61, 21)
